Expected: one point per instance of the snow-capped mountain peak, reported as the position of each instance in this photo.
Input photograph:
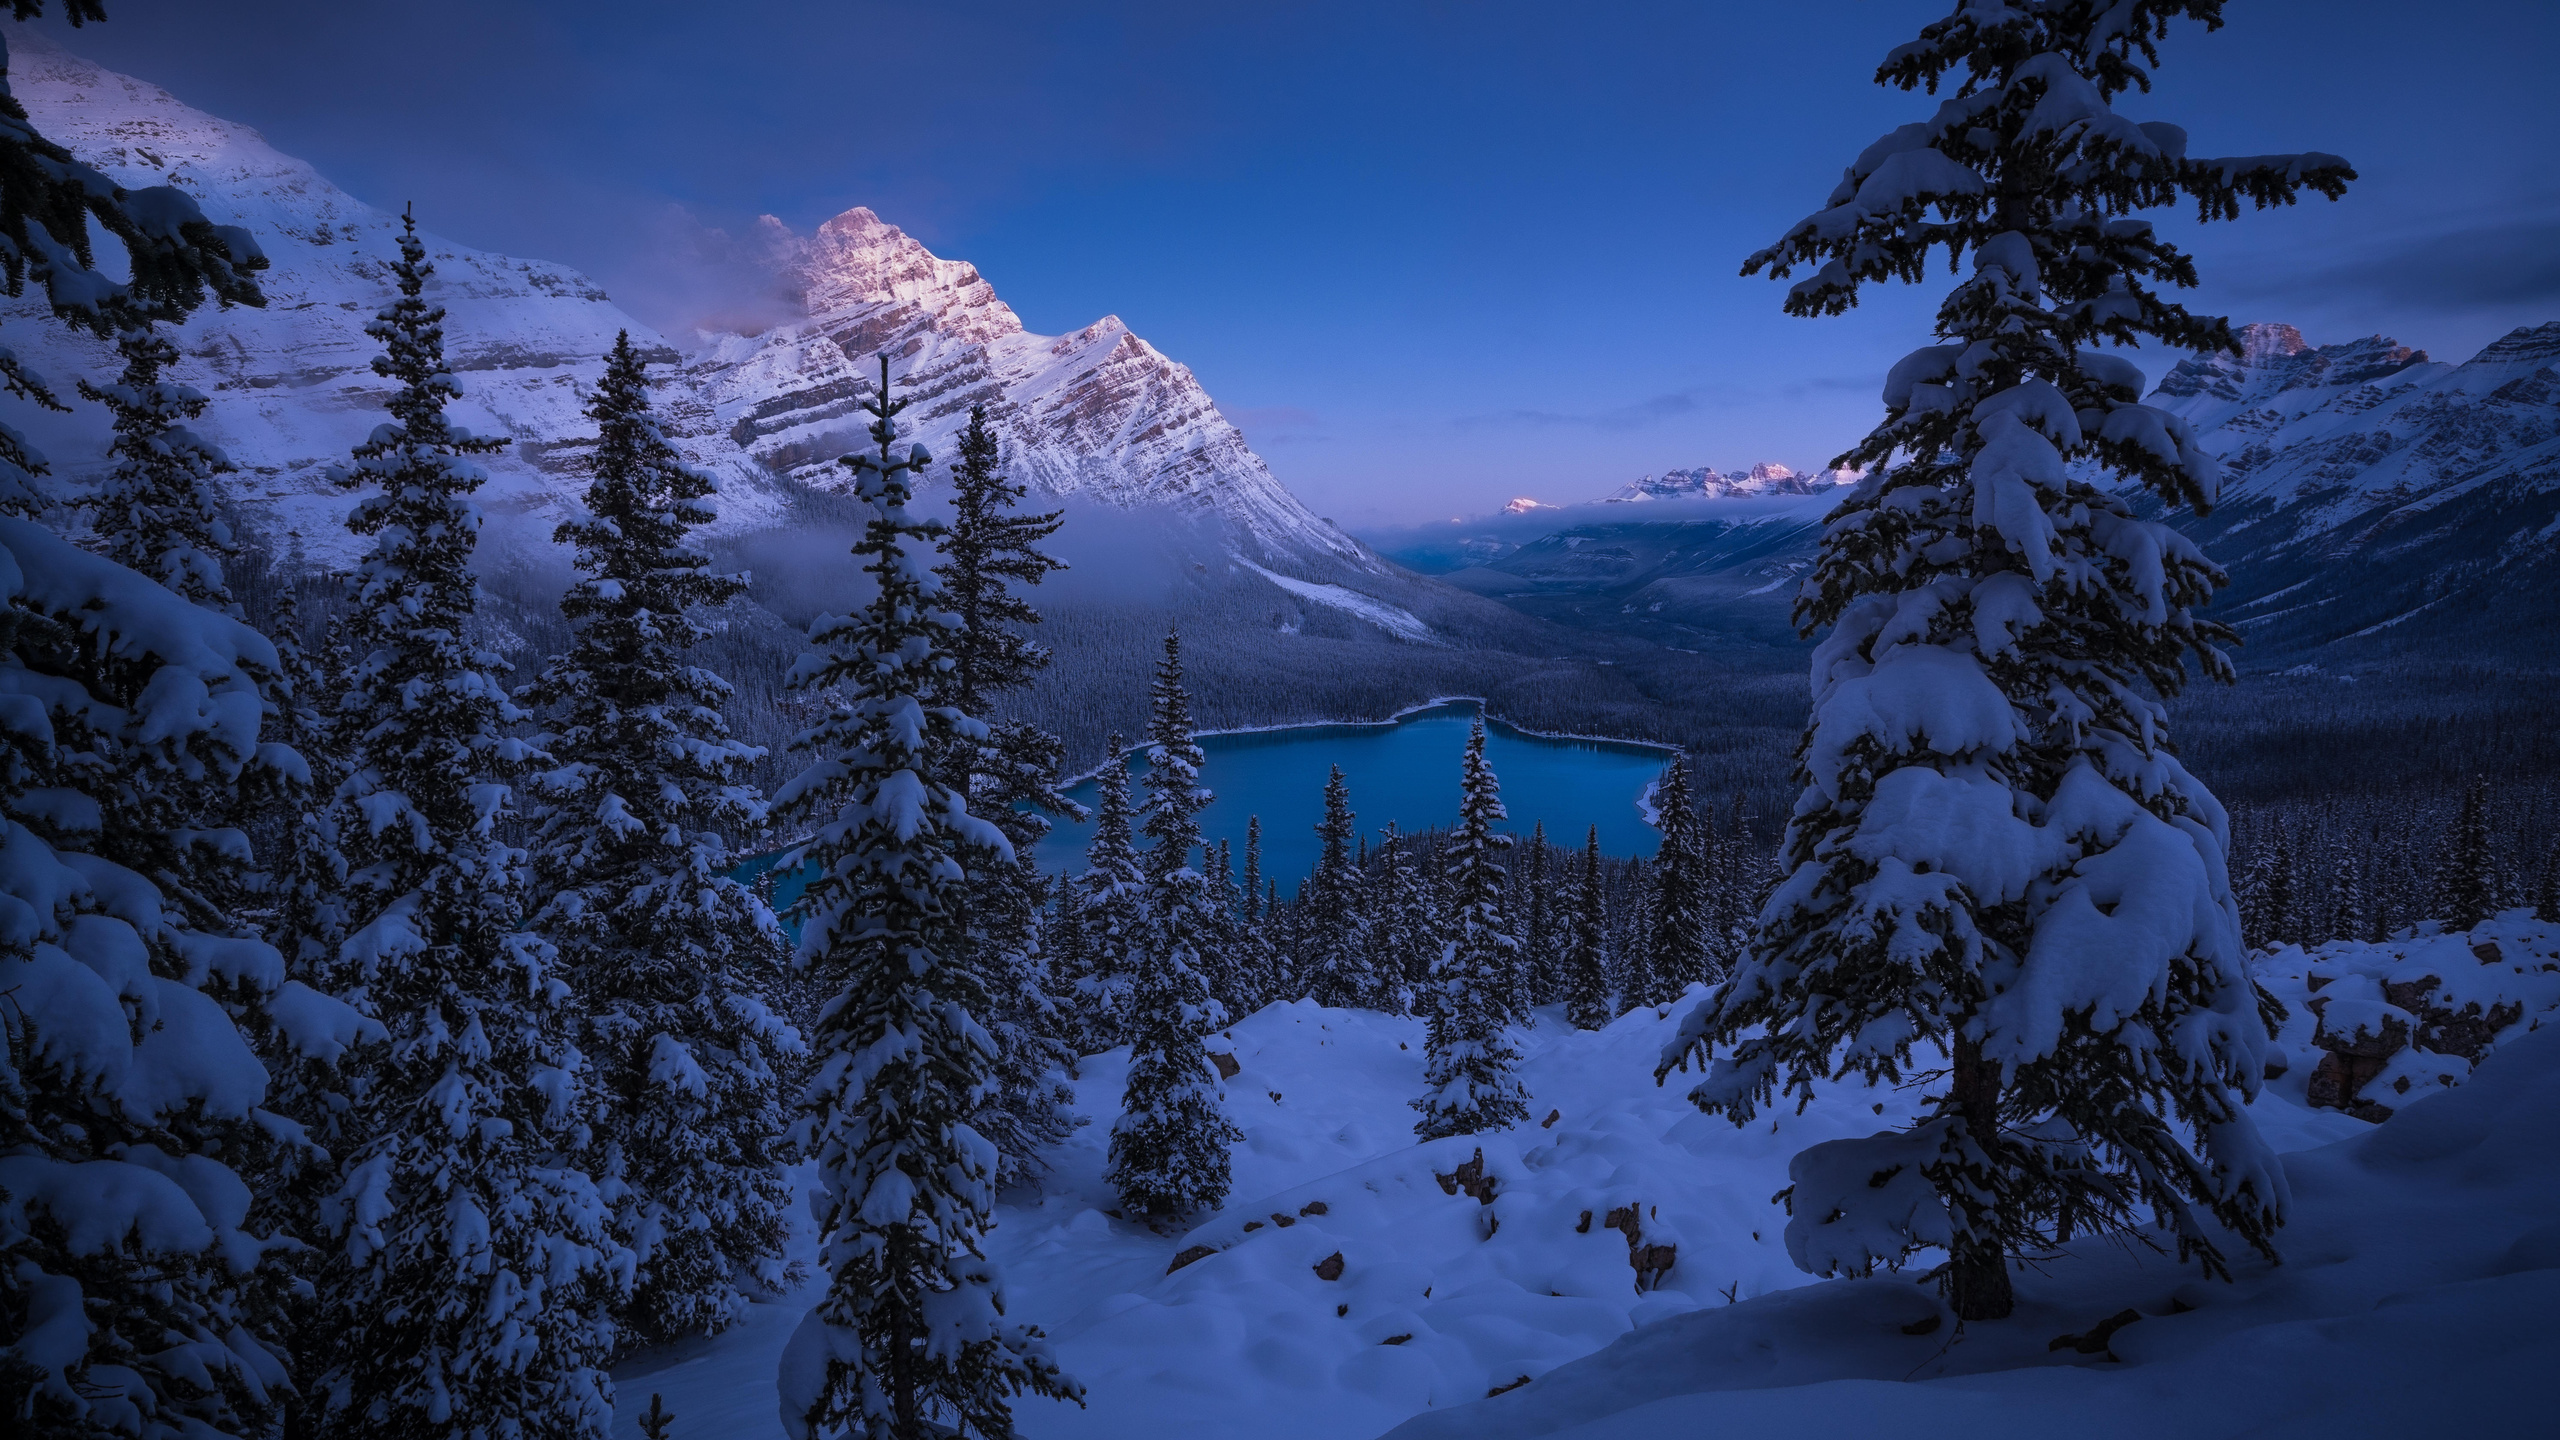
(858, 260)
(2276, 361)
(1097, 413)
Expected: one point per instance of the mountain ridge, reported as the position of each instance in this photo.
(1098, 414)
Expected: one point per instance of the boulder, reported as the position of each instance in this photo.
(1469, 1177)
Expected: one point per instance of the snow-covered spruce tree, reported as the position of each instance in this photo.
(469, 1291)
(1401, 932)
(1586, 954)
(140, 1289)
(911, 1338)
(158, 511)
(1011, 778)
(1030, 1107)
(1257, 955)
(669, 957)
(1996, 851)
(1235, 981)
(1333, 954)
(1169, 1146)
(2265, 893)
(1110, 909)
(2467, 878)
(1733, 877)
(1469, 1084)
(306, 873)
(1533, 888)
(1677, 943)
(2347, 908)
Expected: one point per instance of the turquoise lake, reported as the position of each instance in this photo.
(1404, 770)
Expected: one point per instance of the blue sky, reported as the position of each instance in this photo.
(1429, 255)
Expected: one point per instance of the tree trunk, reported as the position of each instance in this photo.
(1978, 1271)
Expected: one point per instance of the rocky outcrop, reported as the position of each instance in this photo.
(2386, 1022)
(1651, 1258)
(1470, 1179)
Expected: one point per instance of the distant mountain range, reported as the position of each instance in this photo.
(1099, 414)
(1766, 478)
(2376, 504)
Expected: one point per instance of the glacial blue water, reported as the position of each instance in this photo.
(1405, 770)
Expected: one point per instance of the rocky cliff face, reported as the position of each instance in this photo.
(1098, 414)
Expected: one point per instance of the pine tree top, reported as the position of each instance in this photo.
(1174, 796)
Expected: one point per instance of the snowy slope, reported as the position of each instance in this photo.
(1439, 1298)
(2377, 501)
(2422, 1297)
(1099, 414)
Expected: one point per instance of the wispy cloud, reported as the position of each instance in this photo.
(1670, 405)
(2474, 262)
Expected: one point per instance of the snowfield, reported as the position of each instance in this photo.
(1348, 1288)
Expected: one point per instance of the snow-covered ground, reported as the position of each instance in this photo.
(2417, 1279)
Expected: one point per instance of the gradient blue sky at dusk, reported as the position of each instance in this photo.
(1428, 255)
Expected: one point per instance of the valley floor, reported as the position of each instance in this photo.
(2418, 1293)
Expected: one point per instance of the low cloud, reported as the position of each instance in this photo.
(692, 277)
(1548, 520)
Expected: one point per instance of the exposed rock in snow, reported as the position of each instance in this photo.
(1098, 414)
(1522, 505)
(2376, 1025)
